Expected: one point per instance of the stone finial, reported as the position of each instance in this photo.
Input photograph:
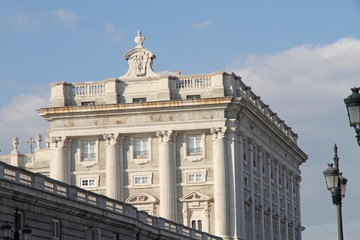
(15, 142)
(38, 141)
(140, 60)
(139, 39)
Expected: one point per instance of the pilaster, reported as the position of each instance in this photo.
(241, 200)
(269, 179)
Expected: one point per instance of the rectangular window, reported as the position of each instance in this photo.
(88, 182)
(141, 148)
(91, 103)
(246, 181)
(139, 100)
(141, 180)
(96, 234)
(196, 224)
(19, 219)
(194, 145)
(189, 97)
(88, 151)
(56, 229)
(195, 177)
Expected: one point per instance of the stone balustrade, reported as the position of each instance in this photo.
(193, 82)
(87, 89)
(28, 158)
(39, 182)
(5, 159)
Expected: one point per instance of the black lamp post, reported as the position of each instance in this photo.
(6, 229)
(352, 103)
(336, 184)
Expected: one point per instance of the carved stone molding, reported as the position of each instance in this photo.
(165, 136)
(139, 60)
(58, 141)
(111, 139)
(218, 133)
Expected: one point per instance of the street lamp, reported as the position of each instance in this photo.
(336, 184)
(6, 230)
(352, 103)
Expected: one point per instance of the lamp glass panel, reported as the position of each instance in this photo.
(331, 181)
(354, 114)
(343, 189)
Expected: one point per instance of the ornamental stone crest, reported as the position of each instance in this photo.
(139, 60)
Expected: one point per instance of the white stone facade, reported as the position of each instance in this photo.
(202, 150)
(58, 211)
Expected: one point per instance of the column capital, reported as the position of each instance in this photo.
(165, 136)
(111, 139)
(59, 141)
(218, 133)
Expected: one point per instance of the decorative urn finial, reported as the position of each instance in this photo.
(139, 39)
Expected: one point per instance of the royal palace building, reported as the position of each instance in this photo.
(202, 150)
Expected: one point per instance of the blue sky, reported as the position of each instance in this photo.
(301, 57)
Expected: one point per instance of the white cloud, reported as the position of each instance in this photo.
(37, 22)
(19, 118)
(65, 17)
(113, 33)
(202, 24)
(21, 22)
(306, 75)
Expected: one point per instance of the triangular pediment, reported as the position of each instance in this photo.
(141, 198)
(195, 196)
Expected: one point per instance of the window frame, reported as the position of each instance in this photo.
(139, 100)
(80, 152)
(132, 149)
(56, 228)
(195, 157)
(196, 220)
(202, 172)
(81, 177)
(135, 175)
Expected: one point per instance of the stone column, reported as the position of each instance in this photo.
(58, 166)
(220, 187)
(113, 166)
(168, 199)
(235, 173)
